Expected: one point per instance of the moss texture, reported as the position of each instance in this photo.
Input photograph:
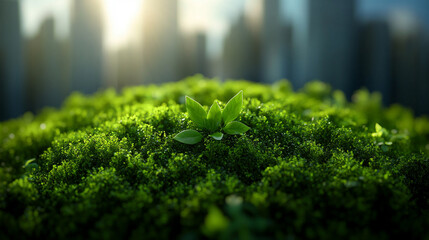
(312, 166)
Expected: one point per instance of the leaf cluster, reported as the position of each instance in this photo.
(214, 120)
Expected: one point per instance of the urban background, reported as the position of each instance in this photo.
(51, 48)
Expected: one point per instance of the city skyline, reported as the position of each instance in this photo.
(212, 16)
(328, 41)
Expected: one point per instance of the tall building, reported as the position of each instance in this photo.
(408, 22)
(160, 41)
(324, 45)
(423, 105)
(129, 66)
(124, 64)
(241, 53)
(193, 55)
(11, 61)
(46, 85)
(368, 9)
(409, 62)
(86, 46)
(423, 80)
(274, 43)
(375, 65)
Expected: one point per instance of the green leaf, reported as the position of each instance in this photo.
(235, 128)
(28, 162)
(215, 222)
(379, 131)
(189, 137)
(196, 112)
(30, 165)
(232, 108)
(378, 128)
(214, 117)
(217, 135)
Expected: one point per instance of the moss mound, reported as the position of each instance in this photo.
(312, 166)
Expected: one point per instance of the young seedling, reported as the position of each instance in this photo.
(214, 121)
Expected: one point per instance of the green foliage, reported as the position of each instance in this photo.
(188, 136)
(214, 117)
(235, 128)
(217, 135)
(312, 166)
(232, 108)
(213, 120)
(196, 112)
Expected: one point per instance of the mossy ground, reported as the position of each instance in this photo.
(312, 166)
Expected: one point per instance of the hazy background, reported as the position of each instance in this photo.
(50, 48)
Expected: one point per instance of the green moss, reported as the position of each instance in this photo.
(312, 166)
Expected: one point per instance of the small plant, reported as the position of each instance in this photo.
(213, 121)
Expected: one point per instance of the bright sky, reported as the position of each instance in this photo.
(33, 12)
(212, 16)
(121, 14)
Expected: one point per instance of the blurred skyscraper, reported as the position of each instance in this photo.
(124, 64)
(324, 34)
(160, 41)
(409, 62)
(11, 61)
(86, 46)
(369, 9)
(241, 52)
(375, 65)
(274, 45)
(45, 81)
(128, 66)
(398, 60)
(423, 88)
(193, 55)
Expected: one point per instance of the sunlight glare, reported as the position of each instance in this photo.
(121, 16)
